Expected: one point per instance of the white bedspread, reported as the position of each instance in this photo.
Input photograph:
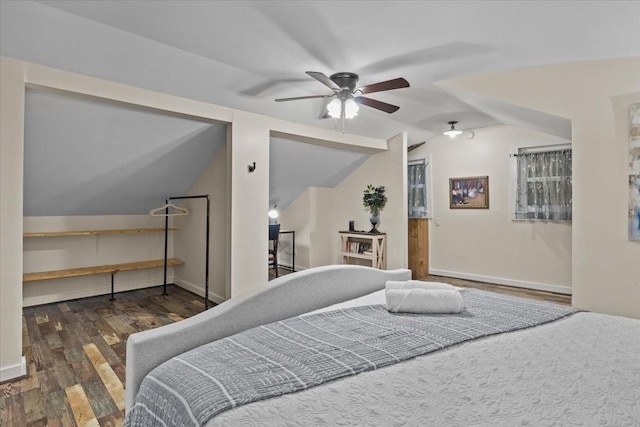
(583, 370)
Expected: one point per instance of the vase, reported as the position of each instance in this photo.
(374, 218)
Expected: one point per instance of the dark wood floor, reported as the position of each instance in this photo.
(75, 352)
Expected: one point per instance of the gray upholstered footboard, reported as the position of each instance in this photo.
(285, 297)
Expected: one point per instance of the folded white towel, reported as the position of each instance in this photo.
(434, 301)
(418, 284)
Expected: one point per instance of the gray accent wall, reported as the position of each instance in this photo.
(86, 157)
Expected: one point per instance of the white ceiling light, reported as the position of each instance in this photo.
(335, 108)
(350, 109)
(273, 213)
(453, 131)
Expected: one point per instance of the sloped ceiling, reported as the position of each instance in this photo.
(243, 54)
(296, 166)
(88, 157)
(85, 157)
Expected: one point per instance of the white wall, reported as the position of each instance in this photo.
(62, 252)
(319, 213)
(12, 364)
(190, 240)
(596, 97)
(486, 244)
(249, 195)
(388, 169)
(297, 217)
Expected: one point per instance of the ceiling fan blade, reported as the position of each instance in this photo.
(322, 78)
(378, 105)
(382, 86)
(303, 97)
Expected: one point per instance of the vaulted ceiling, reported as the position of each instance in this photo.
(244, 54)
(86, 157)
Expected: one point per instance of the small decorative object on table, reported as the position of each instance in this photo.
(374, 200)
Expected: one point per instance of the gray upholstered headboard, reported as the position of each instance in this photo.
(285, 297)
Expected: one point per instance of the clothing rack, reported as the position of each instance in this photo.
(166, 244)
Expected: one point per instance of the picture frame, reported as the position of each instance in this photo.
(469, 192)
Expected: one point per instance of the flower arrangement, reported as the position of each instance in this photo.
(374, 199)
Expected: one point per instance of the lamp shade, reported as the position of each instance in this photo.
(350, 109)
(453, 131)
(335, 108)
(273, 213)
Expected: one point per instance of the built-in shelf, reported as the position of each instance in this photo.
(111, 269)
(94, 232)
(99, 269)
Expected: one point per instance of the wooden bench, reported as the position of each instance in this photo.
(100, 269)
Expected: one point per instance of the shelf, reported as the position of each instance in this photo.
(361, 234)
(94, 232)
(352, 242)
(100, 269)
(355, 255)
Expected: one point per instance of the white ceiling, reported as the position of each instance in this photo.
(272, 43)
(244, 54)
(295, 166)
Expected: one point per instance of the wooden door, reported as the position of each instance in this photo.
(419, 247)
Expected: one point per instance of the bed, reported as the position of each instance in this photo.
(572, 369)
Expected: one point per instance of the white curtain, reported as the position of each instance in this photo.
(417, 190)
(544, 186)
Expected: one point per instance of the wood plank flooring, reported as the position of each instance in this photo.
(509, 290)
(75, 352)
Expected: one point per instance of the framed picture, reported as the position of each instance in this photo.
(471, 192)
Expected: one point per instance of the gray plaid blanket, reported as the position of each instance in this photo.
(305, 351)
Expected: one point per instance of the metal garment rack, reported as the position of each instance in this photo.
(166, 244)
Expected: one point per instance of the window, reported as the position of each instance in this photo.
(417, 179)
(544, 187)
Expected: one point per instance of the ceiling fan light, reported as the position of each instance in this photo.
(335, 108)
(350, 109)
(453, 132)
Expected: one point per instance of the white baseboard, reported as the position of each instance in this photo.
(13, 371)
(559, 289)
(199, 290)
(84, 293)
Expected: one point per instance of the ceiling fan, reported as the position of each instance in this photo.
(347, 96)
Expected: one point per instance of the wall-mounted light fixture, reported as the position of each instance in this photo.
(453, 132)
(273, 214)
